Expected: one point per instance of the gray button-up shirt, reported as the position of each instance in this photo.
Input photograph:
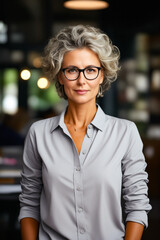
(78, 196)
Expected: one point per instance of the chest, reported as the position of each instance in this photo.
(98, 158)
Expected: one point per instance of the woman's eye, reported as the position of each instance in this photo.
(90, 70)
(72, 70)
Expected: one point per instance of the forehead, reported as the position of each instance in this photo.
(79, 57)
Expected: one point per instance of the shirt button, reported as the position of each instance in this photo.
(78, 169)
(78, 188)
(84, 152)
(80, 210)
(82, 231)
(89, 126)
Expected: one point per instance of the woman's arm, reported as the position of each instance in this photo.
(29, 229)
(135, 178)
(31, 185)
(134, 231)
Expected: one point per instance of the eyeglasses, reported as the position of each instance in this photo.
(90, 72)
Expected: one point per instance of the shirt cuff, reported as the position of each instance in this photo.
(28, 213)
(139, 217)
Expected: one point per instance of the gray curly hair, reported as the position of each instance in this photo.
(80, 36)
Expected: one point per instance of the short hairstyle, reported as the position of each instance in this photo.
(78, 37)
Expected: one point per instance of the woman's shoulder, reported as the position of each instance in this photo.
(42, 124)
(121, 122)
(123, 127)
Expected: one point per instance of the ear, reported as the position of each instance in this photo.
(60, 78)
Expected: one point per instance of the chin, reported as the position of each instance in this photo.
(82, 100)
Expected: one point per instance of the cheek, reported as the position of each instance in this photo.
(95, 85)
(94, 89)
(67, 84)
(68, 87)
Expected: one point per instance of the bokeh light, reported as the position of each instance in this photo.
(43, 83)
(25, 74)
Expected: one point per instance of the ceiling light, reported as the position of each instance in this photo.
(86, 5)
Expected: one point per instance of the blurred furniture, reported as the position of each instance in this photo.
(9, 210)
(152, 154)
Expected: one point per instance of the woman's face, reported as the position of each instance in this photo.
(81, 90)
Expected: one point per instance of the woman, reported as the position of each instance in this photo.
(79, 164)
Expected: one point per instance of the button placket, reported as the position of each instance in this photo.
(86, 144)
(90, 131)
(78, 183)
(78, 186)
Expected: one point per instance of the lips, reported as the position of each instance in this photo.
(81, 92)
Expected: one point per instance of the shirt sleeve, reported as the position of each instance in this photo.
(135, 179)
(31, 182)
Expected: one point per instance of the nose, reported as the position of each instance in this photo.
(81, 79)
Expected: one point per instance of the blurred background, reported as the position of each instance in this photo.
(27, 96)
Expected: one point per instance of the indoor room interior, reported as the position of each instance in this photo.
(26, 95)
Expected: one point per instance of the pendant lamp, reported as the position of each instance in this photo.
(86, 5)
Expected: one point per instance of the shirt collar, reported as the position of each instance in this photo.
(58, 121)
(98, 120)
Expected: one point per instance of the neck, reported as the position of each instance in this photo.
(80, 115)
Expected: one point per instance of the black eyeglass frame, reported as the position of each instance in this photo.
(81, 70)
